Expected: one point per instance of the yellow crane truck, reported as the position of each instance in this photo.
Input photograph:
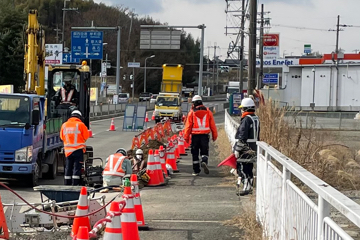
(168, 102)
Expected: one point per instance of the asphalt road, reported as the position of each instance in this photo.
(187, 208)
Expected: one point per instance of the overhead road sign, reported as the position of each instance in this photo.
(87, 45)
(271, 78)
(160, 39)
(67, 58)
(133, 64)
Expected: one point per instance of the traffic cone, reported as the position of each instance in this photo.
(151, 171)
(128, 217)
(4, 231)
(146, 117)
(175, 140)
(90, 131)
(162, 160)
(137, 204)
(153, 116)
(81, 210)
(112, 125)
(229, 161)
(113, 229)
(83, 233)
(158, 167)
(170, 157)
(181, 144)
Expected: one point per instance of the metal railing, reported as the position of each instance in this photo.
(284, 210)
(114, 109)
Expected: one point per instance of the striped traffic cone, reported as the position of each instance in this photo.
(146, 117)
(151, 171)
(153, 116)
(128, 217)
(162, 160)
(90, 131)
(170, 157)
(158, 167)
(181, 144)
(137, 204)
(176, 145)
(83, 233)
(113, 229)
(81, 210)
(112, 125)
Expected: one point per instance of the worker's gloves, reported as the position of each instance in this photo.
(240, 148)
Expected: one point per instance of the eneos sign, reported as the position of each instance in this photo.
(271, 40)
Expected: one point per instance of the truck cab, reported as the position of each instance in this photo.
(168, 106)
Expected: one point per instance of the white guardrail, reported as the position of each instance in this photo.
(284, 211)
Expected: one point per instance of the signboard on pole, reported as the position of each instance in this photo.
(133, 64)
(103, 69)
(67, 58)
(271, 45)
(271, 78)
(307, 48)
(160, 39)
(53, 53)
(87, 45)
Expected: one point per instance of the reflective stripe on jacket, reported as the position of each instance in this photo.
(64, 98)
(74, 134)
(113, 166)
(255, 128)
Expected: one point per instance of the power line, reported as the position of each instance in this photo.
(302, 28)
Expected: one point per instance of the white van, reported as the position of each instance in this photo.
(124, 97)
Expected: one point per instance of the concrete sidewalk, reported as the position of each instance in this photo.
(191, 207)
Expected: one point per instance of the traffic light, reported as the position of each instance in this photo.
(124, 77)
(131, 77)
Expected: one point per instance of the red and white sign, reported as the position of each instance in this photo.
(271, 40)
(271, 43)
(53, 53)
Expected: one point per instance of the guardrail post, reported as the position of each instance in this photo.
(323, 211)
(115, 109)
(109, 109)
(340, 121)
(285, 176)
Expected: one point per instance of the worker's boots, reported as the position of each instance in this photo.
(248, 183)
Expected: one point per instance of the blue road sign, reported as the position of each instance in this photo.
(67, 58)
(271, 78)
(87, 45)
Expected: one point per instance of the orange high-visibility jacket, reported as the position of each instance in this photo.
(74, 134)
(200, 121)
(113, 166)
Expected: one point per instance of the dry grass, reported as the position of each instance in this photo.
(333, 162)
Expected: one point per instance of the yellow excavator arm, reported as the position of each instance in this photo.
(34, 64)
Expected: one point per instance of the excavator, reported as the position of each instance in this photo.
(30, 122)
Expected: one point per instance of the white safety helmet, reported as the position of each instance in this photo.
(76, 112)
(247, 103)
(122, 151)
(139, 152)
(196, 98)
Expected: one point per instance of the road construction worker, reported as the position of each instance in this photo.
(245, 147)
(67, 95)
(138, 161)
(116, 168)
(74, 134)
(200, 122)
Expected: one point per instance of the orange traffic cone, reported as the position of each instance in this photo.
(162, 160)
(181, 144)
(81, 210)
(158, 167)
(229, 161)
(83, 233)
(170, 157)
(113, 229)
(112, 125)
(4, 231)
(175, 140)
(153, 116)
(151, 171)
(137, 204)
(90, 131)
(146, 117)
(128, 217)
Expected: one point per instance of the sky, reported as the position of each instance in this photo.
(298, 22)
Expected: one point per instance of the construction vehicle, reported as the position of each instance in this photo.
(168, 102)
(30, 122)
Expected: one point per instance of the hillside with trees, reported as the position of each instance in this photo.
(13, 17)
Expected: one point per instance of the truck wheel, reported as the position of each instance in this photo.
(53, 168)
(34, 177)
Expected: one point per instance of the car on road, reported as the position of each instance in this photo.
(144, 96)
(153, 98)
(124, 97)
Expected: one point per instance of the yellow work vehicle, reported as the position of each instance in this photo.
(168, 102)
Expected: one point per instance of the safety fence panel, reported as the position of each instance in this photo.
(140, 117)
(283, 209)
(130, 111)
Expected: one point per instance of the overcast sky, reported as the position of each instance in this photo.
(319, 15)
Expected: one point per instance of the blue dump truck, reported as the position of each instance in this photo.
(30, 146)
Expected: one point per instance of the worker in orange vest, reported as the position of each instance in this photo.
(200, 122)
(117, 167)
(74, 134)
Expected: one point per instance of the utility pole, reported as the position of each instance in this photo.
(133, 82)
(207, 68)
(337, 34)
(261, 49)
(252, 47)
(217, 72)
(241, 55)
